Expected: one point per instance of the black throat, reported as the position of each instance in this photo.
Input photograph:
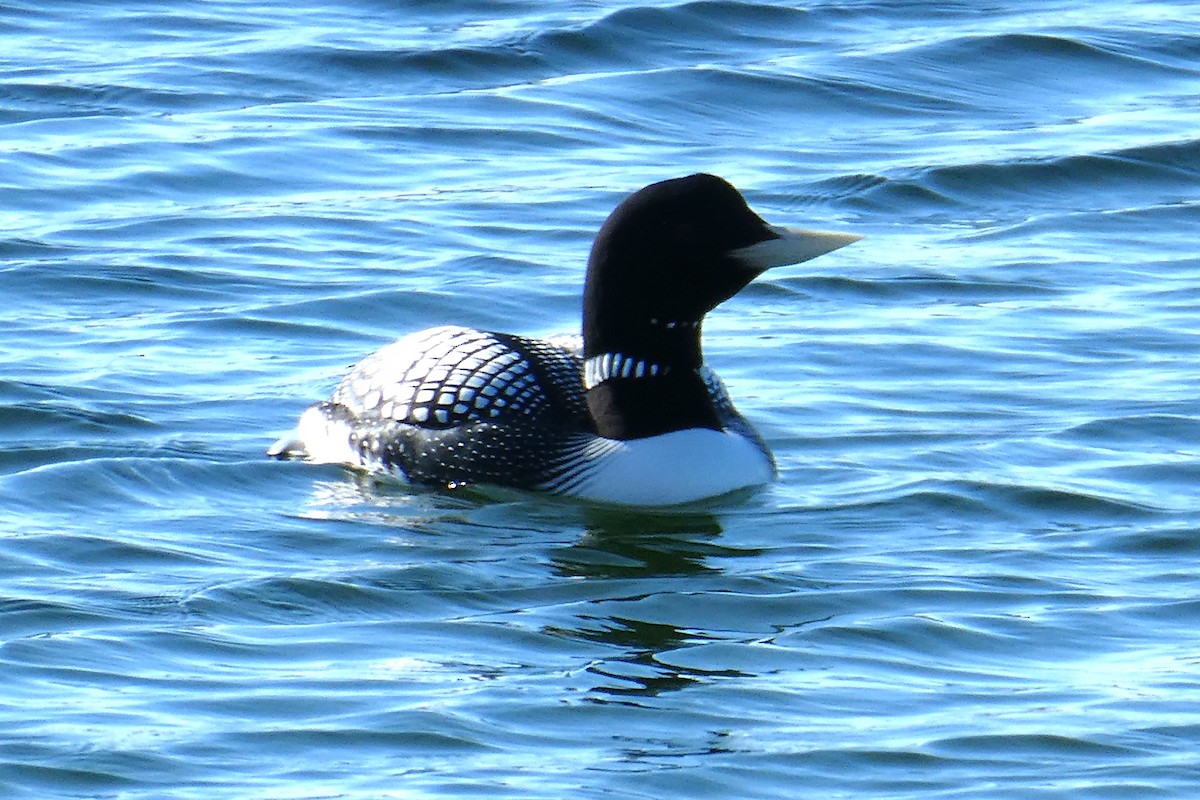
(647, 383)
(634, 408)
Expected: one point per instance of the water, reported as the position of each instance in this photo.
(975, 577)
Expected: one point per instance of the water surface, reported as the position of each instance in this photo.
(974, 578)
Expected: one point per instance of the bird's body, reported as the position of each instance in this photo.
(627, 414)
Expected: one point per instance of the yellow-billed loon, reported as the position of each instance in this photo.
(629, 415)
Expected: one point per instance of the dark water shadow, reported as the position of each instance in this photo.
(627, 581)
(654, 561)
(624, 544)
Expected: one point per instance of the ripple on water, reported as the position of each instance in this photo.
(973, 578)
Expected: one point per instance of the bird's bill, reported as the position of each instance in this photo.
(791, 246)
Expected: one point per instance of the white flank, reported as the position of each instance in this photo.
(326, 441)
(672, 468)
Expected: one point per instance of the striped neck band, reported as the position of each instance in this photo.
(598, 369)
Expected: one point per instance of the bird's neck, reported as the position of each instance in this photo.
(643, 380)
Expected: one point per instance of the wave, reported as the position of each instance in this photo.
(1014, 71)
(1170, 165)
(1159, 431)
(1120, 179)
(1049, 506)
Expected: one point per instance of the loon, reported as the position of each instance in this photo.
(627, 415)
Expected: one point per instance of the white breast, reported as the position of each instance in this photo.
(672, 468)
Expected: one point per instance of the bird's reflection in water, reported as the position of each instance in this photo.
(654, 559)
(622, 544)
(645, 577)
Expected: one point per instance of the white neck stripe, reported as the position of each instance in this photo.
(598, 369)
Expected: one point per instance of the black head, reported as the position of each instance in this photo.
(673, 251)
(667, 255)
(664, 252)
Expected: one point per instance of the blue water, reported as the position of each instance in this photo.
(976, 577)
